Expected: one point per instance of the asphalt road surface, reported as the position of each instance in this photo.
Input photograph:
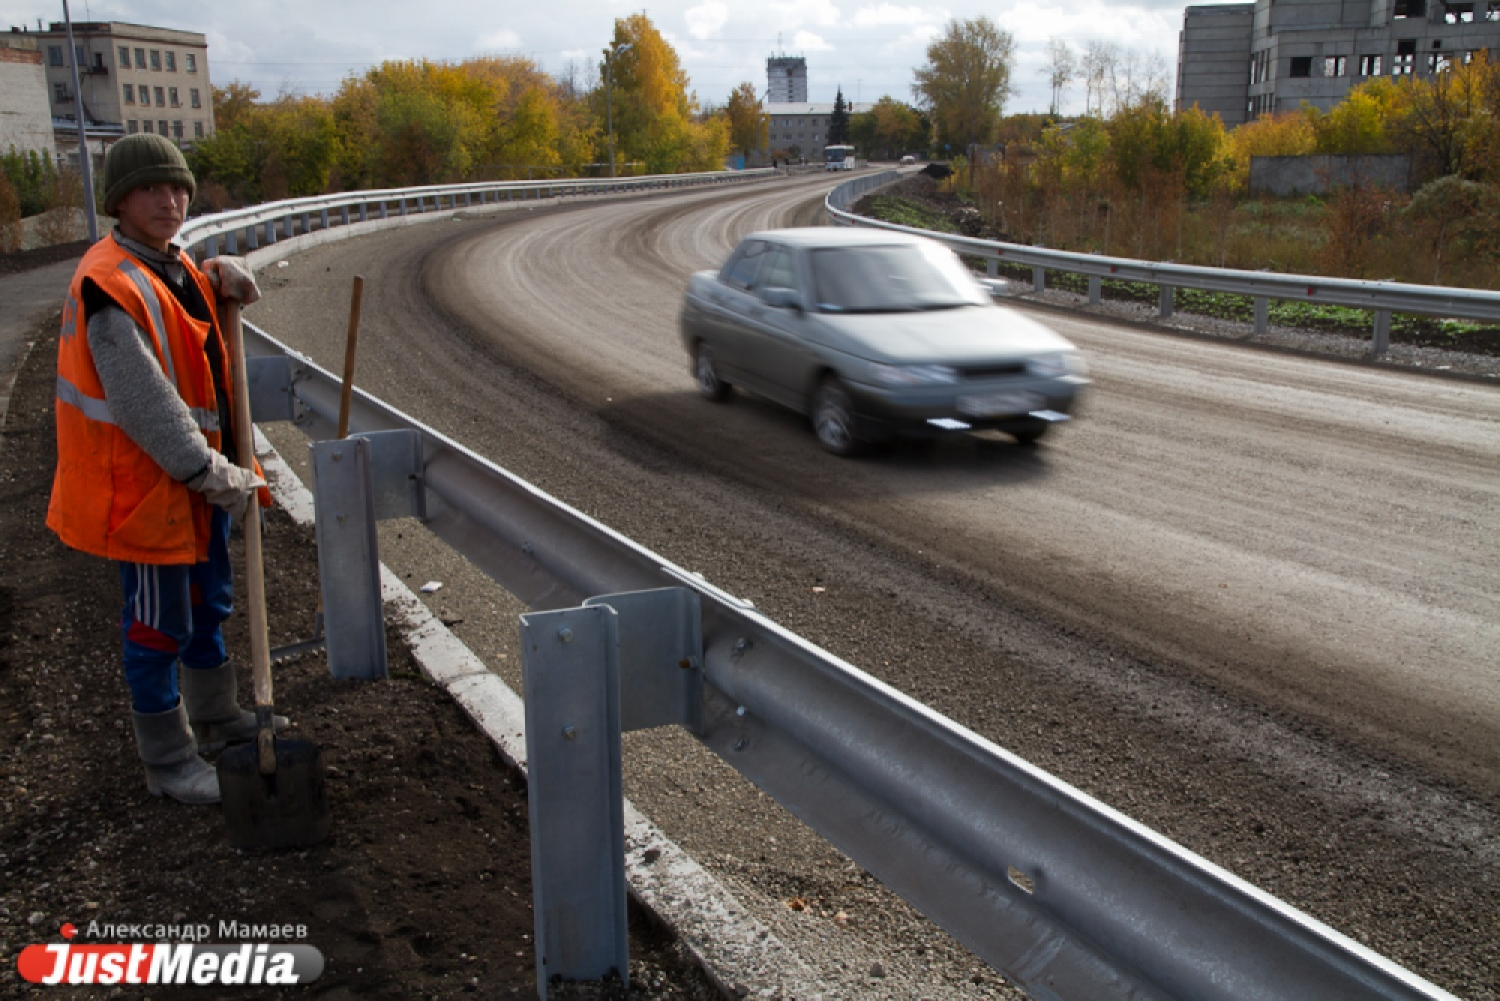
(1249, 599)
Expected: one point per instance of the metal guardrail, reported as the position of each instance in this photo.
(246, 229)
(1382, 298)
(1065, 896)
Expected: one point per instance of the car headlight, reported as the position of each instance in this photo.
(913, 375)
(1055, 366)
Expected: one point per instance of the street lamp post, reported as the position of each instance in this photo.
(609, 111)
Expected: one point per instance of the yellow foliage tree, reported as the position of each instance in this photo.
(1289, 133)
(652, 108)
(747, 121)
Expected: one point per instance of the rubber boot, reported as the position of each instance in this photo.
(213, 707)
(170, 753)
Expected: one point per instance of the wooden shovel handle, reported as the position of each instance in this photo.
(255, 575)
(347, 395)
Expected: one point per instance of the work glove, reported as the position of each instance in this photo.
(232, 278)
(227, 486)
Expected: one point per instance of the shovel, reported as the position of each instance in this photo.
(318, 640)
(272, 789)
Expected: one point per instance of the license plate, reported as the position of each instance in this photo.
(999, 404)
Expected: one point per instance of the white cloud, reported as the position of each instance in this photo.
(820, 13)
(887, 13)
(706, 19)
(497, 40)
(573, 53)
(806, 41)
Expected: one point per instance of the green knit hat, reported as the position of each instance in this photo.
(141, 159)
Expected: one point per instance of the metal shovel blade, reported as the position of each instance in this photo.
(285, 809)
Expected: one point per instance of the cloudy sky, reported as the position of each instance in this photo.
(870, 47)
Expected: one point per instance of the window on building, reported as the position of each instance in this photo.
(125, 57)
(197, 130)
(156, 59)
(194, 99)
(1455, 13)
(171, 62)
(177, 130)
(54, 55)
(1301, 66)
(172, 96)
(132, 126)
(1439, 62)
(1410, 8)
(1406, 57)
(161, 127)
(146, 125)
(192, 61)
(129, 91)
(161, 97)
(140, 59)
(80, 58)
(60, 93)
(1369, 65)
(1335, 65)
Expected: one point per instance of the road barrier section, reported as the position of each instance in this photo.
(1382, 298)
(1064, 895)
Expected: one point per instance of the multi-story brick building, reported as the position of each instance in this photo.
(133, 78)
(1242, 60)
(25, 125)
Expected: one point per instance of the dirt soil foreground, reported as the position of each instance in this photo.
(422, 891)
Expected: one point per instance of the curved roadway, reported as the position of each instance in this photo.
(1248, 598)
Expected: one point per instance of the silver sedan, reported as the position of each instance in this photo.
(874, 335)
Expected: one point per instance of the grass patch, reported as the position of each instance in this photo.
(906, 212)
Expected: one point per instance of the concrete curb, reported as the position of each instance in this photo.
(738, 952)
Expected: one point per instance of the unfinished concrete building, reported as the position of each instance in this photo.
(786, 80)
(1243, 60)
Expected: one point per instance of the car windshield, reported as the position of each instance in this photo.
(898, 278)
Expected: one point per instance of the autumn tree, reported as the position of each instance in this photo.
(653, 109)
(1452, 211)
(1060, 68)
(887, 130)
(747, 120)
(966, 80)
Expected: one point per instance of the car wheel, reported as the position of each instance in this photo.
(1029, 432)
(833, 418)
(710, 383)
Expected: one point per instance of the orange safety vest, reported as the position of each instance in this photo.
(109, 497)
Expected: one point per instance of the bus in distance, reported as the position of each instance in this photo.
(838, 157)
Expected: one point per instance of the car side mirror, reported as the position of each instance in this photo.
(782, 298)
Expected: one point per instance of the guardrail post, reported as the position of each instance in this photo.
(323, 219)
(344, 214)
(307, 222)
(364, 211)
(1164, 304)
(231, 245)
(1381, 340)
(570, 673)
(349, 558)
(1094, 285)
(211, 249)
(1038, 278)
(1262, 314)
(250, 237)
(992, 267)
(403, 205)
(270, 231)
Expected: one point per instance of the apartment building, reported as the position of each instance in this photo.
(800, 129)
(786, 79)
(1243, 60)
(133, 78)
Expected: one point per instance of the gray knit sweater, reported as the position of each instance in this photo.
(141, 400)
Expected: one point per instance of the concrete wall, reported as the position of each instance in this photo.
(1300, 175)
(25, 117)
(1213, 64)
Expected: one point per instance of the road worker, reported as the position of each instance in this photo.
(147, 473)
